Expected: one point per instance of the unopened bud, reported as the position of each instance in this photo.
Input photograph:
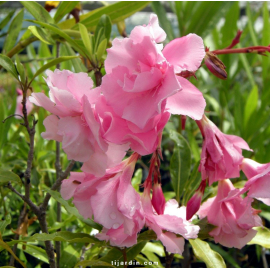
(215, 65)
(158, 200)
(194, 203)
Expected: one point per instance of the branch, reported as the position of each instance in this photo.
(57, 184)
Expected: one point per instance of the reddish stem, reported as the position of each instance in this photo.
(252, 49)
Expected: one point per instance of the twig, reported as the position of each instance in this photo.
(124, 251)
(58, 174)
(84, 249)
(15, 114)
(57, 183)
(20, 220)
(168, 258)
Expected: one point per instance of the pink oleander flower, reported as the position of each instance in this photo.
(258, 180)
(112, 201)
(74, 122)
(141, 84)
(171, 226)
(19, 106)
(119, 131)
(221, 156)
(233, 217)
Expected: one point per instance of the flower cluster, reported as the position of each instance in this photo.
(144, 84)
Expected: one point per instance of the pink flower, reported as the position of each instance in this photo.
(74, 122)
(233, 217)
(120, 131)
(19, 106)
(258, 180)
(141, 85)
(111, 199)
(221, 156)
(169, 226)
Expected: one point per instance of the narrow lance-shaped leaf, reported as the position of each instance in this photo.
(106, 24)
(8, 176)
(251, 104)
(62, 34)
(101, 49)
(38, 11)
(64, 8)
(180, 163)
(4, 223)
(261, 238)
(72, 210)
(5, 21)
(5, 246)
(13, 31)
(7, 64)
(203, 252)
(51, 64)
(41, 34)
(117, 12)
(86, 40)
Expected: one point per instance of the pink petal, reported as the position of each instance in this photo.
(172, 243)
(69, 186)
(51, 125)
(104, 204)
(42, 100)
(185, 53)
(75, 138)
(189, 101)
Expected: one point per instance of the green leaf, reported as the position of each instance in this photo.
(251, 104)
(265, 42)
(63, 9)
(41, 34)
(261, 238)
(38, 11)
(117, 12)
(13, 31)
(225, 254)
(52, 63)
(94, 263)
(20, 69)
(137, 179)
(5, 21)
(205, 227)
(34, 251)
(203, 252)
(6, 247)
(101, 49)
(4, 223)
(86, 40)
(205, 16)
(147, 235)
(7, 64)
(76, 62)
(180, 163)
(105, 23)
(229, 28)
(63, 237)
(165, 24)
(8, 176)
(62, 34)
(192, 184)
(72, 210)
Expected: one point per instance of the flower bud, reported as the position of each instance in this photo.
(194, 203)
(158, 200)
(215, 65)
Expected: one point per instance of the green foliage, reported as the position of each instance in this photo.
(203, 252)
(8, 176)
(180, 163)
